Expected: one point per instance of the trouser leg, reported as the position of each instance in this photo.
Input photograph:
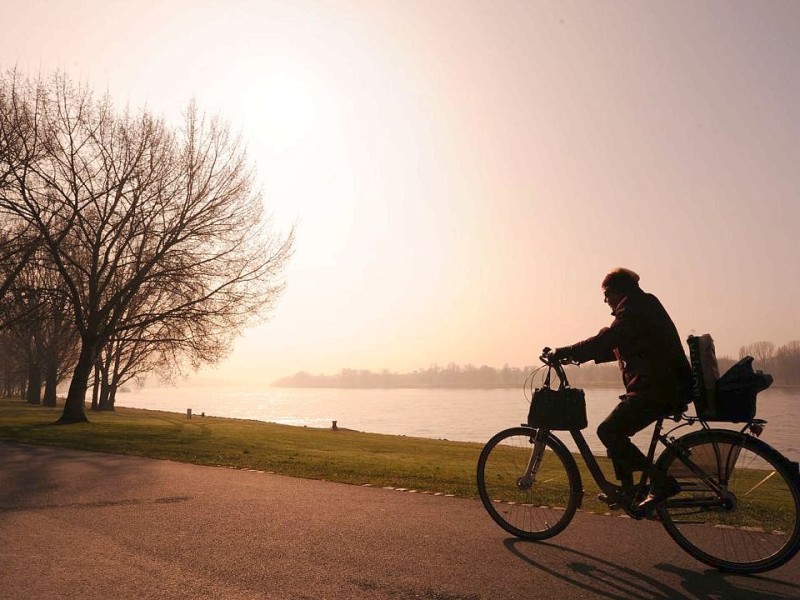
(630, 416)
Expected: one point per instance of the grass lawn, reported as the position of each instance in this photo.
(344, 456)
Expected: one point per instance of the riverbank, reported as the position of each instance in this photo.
(450, 415)
(342, 455)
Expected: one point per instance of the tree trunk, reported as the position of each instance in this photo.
(50, 385)
(104, 374)
(107, 397)
(51, 382)
(34, 393)
(112, 397)
(105, 394)
(96, 387)
(111, 379)
(74, 406)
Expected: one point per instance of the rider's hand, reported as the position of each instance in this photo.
(562, 355)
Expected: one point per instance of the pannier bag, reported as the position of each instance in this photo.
(561, 409)
(736, 393)
(705, 371)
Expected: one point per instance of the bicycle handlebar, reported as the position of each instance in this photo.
(547, 359)
(557, 365)
(545, 356)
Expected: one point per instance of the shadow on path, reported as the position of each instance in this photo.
(32, 478)
(606, 579)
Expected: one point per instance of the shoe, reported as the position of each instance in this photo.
(660, 491)
(619, 497)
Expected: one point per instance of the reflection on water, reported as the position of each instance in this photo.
(463, 415)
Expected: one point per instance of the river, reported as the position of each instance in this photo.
(471, 415)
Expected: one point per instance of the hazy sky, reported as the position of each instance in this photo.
(464, 173)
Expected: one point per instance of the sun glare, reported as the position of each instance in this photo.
(285, 108)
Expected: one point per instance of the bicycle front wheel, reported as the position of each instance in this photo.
(751, 522)
(533, 508)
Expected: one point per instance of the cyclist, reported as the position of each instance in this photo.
(655, 371)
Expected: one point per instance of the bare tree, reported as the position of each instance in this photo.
(127, 208)
(58, 337)
(21, 314)
(787, 362)
(39, 327)
(164, 347)
(12, 378)
(20, 147)
(16, 249)
(119, 363)
(762, 352)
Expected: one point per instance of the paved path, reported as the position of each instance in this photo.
(87, 525)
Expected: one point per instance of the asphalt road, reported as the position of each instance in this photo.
(87, 525)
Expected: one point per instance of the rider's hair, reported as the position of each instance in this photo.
(621, 280)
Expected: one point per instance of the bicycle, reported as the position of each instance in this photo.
(738, 508)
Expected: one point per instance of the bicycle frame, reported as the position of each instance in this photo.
(609, 488)
(589, 458)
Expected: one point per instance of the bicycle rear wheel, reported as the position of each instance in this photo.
(753, 525)
(533, 510)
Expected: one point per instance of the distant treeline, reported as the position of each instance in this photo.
(783, 363)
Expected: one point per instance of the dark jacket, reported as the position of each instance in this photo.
(646, 343)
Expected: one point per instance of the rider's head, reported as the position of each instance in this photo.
(618, 284)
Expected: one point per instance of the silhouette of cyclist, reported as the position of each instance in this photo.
(655, 371)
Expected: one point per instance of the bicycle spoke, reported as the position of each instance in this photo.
(532, 506)
(756, 486)
(752, 524)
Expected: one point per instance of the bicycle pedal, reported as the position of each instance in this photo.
(624, 504)
(605, 499)
(613, 503)
(621, 498)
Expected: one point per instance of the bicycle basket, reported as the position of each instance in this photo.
(735, 394)
(561, 409)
